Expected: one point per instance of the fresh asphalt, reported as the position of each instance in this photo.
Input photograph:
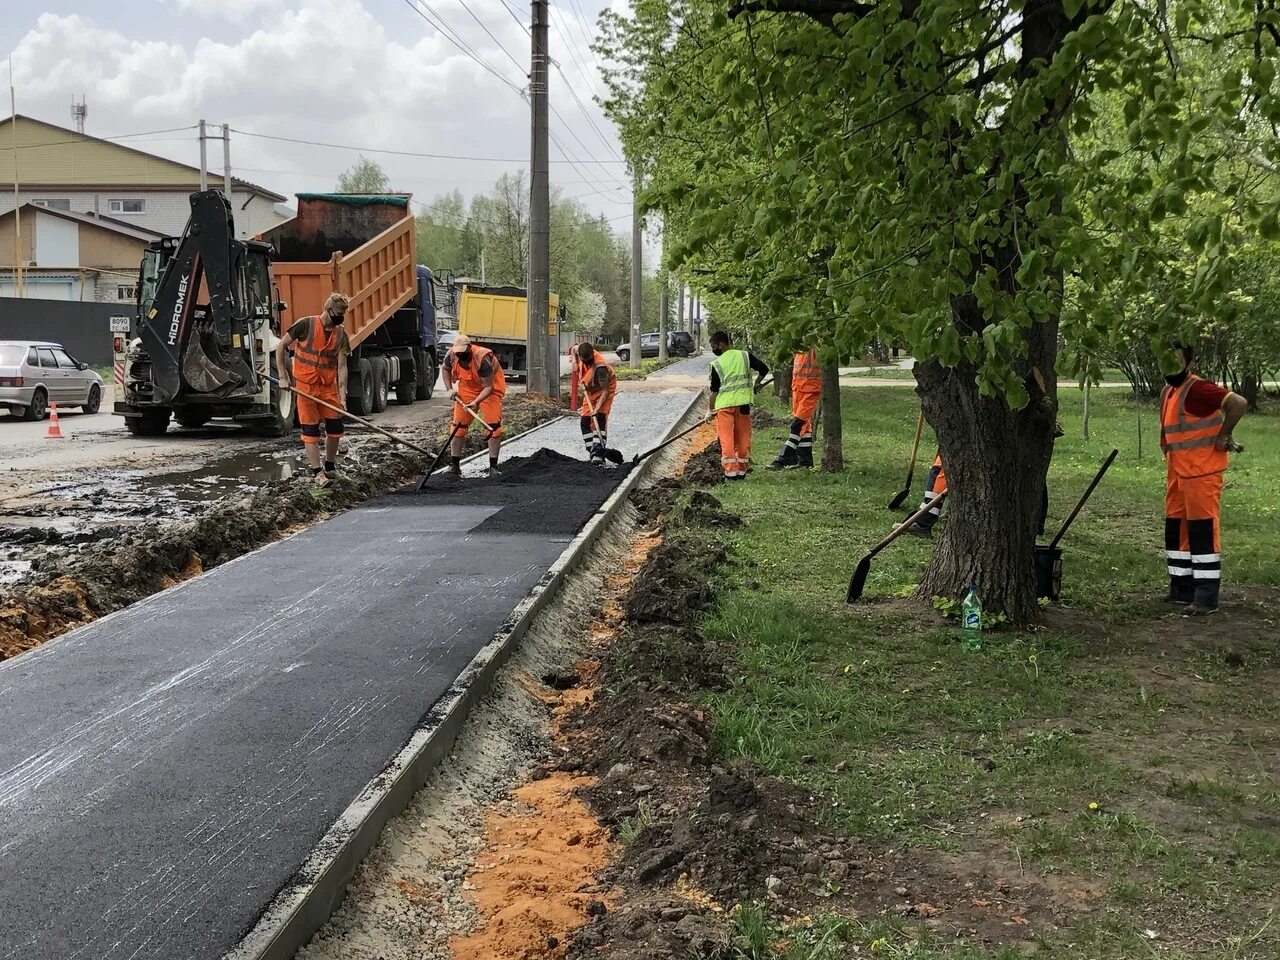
(166, 770)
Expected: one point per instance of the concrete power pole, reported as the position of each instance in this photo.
(664, 284)
(226, 160)
(637, 278)
(686, 306)
(542, 377)
(204, 157)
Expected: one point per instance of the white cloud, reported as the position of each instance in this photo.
(322, 70)
(235, 10)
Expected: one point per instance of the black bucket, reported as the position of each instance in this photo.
(1048, 572)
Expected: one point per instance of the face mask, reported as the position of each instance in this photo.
(336, 319)
(717, 350)
(1177, 379)
(464, 357)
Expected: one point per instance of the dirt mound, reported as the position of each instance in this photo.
(704, 510)
(112, 573)
(762, 418)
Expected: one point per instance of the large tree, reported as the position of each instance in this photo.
(932, 174)
(364, 176)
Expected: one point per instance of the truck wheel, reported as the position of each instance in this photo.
(407, 385)
(360, 390)
(152, 423)
(193, 418)
(381, 386)
(424, 368)
(282, 406)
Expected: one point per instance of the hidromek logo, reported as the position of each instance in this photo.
(176, 324)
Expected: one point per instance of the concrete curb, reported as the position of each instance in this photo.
(306, 902)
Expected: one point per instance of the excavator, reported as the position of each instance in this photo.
(201, 344)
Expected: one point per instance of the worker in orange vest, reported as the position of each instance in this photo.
(320, 351)
(599, 384)
(1197, 418)
(934, 487)
(474, 380)
(806, 391)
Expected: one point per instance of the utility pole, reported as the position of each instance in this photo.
(542, 379)
(664, 283)
(686, 306)
(204, 158)
(226, 160)
(18, 287)
(637, 277)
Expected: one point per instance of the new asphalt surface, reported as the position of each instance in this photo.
(166, 770)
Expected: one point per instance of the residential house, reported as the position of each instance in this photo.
(60, 169)
(73, 256)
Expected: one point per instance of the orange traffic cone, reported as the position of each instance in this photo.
(55, 431)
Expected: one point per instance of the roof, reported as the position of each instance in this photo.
(94, 220)
(29, 343)
(68, 136)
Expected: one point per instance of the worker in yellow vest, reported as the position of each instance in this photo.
(806, 391)
(1197, 418)
(731, 395)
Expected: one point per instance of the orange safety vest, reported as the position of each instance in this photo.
(587, 374)
(315, 357)
(806, 375)
(468, 377)
(1188, 441)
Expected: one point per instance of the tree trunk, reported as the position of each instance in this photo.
(782, 380)
(1250, 389)
(833, 437)
(996, 460)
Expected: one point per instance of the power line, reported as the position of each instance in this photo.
(590, 120)
(449, 34)
(586, 31)
(571, 45)
(406, 153)
(519, 65)
(516, 18)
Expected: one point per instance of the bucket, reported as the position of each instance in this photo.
(1048, 572)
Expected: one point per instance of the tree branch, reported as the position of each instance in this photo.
(820, 10)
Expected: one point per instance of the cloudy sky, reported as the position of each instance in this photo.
(370, 74)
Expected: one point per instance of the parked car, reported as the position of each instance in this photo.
(680, 343)
(648, 347)
(34, 374)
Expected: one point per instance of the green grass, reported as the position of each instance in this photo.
(648, 366)
(1000, 753)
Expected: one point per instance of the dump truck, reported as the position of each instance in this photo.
(211, 310)
(498, 318)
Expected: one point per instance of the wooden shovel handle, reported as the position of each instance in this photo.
(906, 524)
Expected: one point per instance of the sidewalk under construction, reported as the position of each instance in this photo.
(171, 772)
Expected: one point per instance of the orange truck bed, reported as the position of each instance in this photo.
(357, 244)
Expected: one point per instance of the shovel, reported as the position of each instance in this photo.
(1053, 544)
(670, 440)
(905, 492)
(859, 578)
(444, 447)
(613, 456)
(351, 416)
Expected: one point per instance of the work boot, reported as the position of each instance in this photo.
(321, 479)
(330, 469)
(1196, 610)
(915, 530)
(777, 465)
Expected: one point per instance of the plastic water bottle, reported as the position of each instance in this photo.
(971, 619)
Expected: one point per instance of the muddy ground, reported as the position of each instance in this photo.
(78, 551)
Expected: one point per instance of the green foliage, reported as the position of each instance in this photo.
(364, 176)
(948, 175)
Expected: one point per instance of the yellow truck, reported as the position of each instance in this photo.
(498, 318)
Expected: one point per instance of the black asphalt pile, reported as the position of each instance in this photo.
(545, 492)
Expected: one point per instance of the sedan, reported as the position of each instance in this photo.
(35, 373)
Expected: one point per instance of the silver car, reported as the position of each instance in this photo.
(35, 373)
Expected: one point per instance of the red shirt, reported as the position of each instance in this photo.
(1205, 397)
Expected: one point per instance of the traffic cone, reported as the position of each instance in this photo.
(55, 431)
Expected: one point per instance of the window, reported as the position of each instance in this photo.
(126, 206)
(64, 360)
(46, 359)
(125, 291)
(32, 359)
(54, 204)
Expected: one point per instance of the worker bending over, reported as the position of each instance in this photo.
(320, 351)
(731, 395)
(1196, 420)
(806, 391)
(599, 384)
(474, 379)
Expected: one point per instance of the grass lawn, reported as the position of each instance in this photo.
(1123, 760)
(647, 366)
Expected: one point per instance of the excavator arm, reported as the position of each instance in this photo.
(193, 346)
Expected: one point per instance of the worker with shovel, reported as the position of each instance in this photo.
(806, 391)
(731, 395)
(320, 351)
(599, 384)
(1196, 420)
(474, 380)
